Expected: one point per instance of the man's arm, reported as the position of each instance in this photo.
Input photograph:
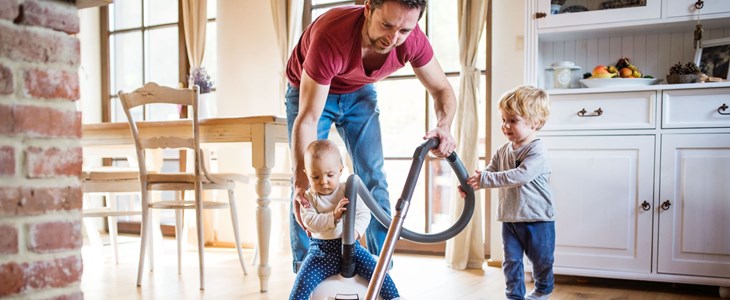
(312, 97)
(433, 79)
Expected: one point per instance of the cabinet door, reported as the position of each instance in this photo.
(599, 184)
(694, 225)
(589, 12)
(681, 8)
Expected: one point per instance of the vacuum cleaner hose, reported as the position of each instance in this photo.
(356, 186)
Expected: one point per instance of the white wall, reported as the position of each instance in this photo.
(248, 61)
(508, 64)
(90, 70)
(248, 84)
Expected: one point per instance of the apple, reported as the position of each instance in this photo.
(601, 71)
(626, 72)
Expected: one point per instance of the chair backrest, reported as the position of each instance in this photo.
(152, 93)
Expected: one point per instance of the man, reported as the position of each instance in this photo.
(330, 75)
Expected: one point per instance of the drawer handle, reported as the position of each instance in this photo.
(722, 108)
(597, 112)
(645, 206)
(666, 205)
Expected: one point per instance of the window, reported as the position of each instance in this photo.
(144, 41)
(402, 132)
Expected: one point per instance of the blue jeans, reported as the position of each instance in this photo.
(537, 241)
(356, 117)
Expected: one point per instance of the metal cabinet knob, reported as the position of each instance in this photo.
(666, 204)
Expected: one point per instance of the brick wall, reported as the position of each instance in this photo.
(40, 154)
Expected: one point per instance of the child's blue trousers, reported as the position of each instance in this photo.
(323, 260)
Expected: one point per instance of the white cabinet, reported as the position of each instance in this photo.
(602, 188)
(640, 174)
(572, 13)
(635, 200)
(694, 205)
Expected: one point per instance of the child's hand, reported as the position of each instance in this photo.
(340, 209)
(472, 181)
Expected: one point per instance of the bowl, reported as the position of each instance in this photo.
(683, 78)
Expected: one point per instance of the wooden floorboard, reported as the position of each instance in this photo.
(417, 277)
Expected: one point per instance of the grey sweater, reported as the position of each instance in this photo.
(523, 178)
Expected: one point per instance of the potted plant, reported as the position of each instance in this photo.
(687, 73)
(199, 76)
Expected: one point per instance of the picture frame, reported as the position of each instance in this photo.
(713, 58)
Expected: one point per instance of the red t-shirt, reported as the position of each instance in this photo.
(330, 51)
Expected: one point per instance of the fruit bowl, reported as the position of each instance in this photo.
(615, 82)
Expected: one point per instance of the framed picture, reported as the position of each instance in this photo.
(714, 58)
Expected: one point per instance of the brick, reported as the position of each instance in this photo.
(8, 239)
(9, 199)
(52, 274)
(6, 80)
(9, 9)
(54, 236)
(7, 122)
(73, 296)
(56, 15)
(51, 84)
(7, 161)
(42, 46)
(56, 123)
(36, 201)
(52, 162)
(12, 279)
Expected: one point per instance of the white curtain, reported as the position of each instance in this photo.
(287, 16)
(466, 250)
(195, 21)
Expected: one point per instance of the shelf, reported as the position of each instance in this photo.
(656, 87)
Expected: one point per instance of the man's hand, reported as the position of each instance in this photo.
(447, 143)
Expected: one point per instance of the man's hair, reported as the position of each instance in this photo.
(530, 102)
(420, 4)
(321, 148)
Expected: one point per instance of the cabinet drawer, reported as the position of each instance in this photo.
(696, 108)
(634, 110)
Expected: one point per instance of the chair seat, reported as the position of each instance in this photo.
(111, 173)
(190, 178)
(189, 204)
(108, 212)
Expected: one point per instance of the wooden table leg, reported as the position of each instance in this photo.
(263, 221)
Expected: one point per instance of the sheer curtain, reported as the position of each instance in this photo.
(466, 250)
(288, 26)
(195, 20)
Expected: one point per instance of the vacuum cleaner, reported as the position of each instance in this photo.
(347, 286)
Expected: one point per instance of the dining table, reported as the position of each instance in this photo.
(262, 132)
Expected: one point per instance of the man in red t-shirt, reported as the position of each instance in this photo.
(330, 75)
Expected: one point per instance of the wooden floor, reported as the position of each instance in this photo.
(417, 277)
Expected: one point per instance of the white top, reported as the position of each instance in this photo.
(320, 220)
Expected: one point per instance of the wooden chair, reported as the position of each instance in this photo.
(110, 182)
(197, 180)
